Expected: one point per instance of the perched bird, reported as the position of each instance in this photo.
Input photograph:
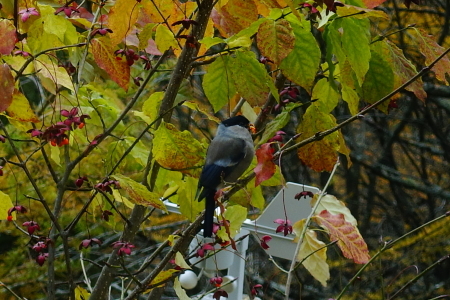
(229, 155)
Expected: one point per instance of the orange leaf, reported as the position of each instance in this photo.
(373, 3)
(7, 36)
(121, 19)
(348, 237)
(265, 168)
(431, 50)
(275, 39)
(235, 16)
(6, 87)
(319, 155)
(118, 70)
(165, 8)
(274, 3)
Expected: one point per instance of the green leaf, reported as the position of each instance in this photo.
(61, 27)
(236, 215)
(189, 206)
(166, 180)
(355, 43)
(379, 81)
(258, 199)
(334, 49)
(302, 63)
(151, 106)
(211, 41)
(250, 77)
(177, 150)
(165, 39)
(55, 155)
(145, 35)
(278, 123)
(5, 204)
(38, 39)
(350, 96)
(139, 152)
(275, 39)
(403, 68)
(138, 193)
(327, 97)
(218, 83)
(243, 37)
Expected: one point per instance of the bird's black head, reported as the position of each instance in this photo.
(238, 120)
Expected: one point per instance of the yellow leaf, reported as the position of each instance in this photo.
(316, 263)
(165, 39)
(177, 150)
(172, 239)
(121, 19)
(139, 194)
(81, 293)
(360, 12)
(181, 293)
(165, 8)
(163, 276)
(119, 198)
(5, 205)
(56, 75)
(179, 261)
(334, 206)
(347, 236)
(20, 109)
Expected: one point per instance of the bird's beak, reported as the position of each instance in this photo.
(252, 128)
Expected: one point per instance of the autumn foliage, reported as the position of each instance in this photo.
(106, 111)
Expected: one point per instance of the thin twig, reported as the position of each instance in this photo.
(385, 247)
(305, 228)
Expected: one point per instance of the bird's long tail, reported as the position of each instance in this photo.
(210, 206)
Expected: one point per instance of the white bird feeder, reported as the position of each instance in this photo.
(283, 204)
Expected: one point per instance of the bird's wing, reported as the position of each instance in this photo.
(221, 159)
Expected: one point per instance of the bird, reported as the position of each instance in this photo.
(229, 155)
